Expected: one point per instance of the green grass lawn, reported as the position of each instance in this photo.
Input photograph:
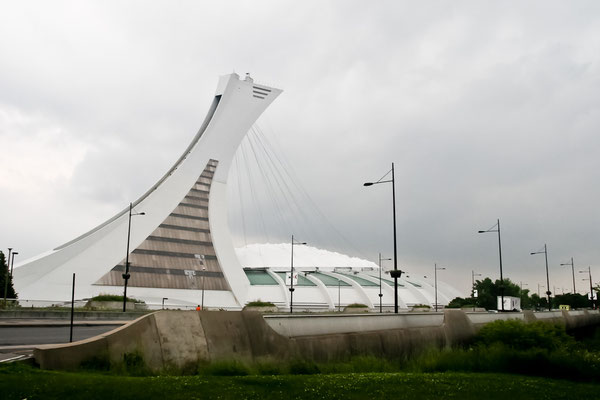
(24, 382)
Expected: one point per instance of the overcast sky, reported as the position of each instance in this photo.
(488, 110)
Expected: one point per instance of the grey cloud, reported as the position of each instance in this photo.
(488, 110)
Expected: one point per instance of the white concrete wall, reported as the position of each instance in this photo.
(49, 277)
(308, 325)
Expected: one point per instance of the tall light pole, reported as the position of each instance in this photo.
(548, 292)
(396, 273)
(473, 275)
(6, 275)
(436, 269)
(292, 274)
(339, 295)
(380, 293)
(589, 271)
(126, 275)
(497, 226)
(572, 264)
(201, 258)
(12, 261)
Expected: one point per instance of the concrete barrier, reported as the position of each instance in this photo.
(181, 339)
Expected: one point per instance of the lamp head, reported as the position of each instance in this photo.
(142, 213)
(481, 232)
(368, 184)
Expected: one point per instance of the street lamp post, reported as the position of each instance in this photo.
(395, 273)
(292, 274)
(473, 275)
(126, 275)
(12, 262)
(339, 295)
(436, 269)
(497, 226)
(380, 293)
(572, 264)
(548, 292)
(203, 276)
(201, 258)
(589, 271)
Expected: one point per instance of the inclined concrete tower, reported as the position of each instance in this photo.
(183, 240)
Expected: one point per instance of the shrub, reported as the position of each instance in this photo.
(259, 303)
(357, 305)
(114, 297)
(268, 368)
(519, 335)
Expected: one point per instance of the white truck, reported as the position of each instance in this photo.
(510, 303)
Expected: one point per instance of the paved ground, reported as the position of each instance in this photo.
(19, 337)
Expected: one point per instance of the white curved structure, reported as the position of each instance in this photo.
(182, 247)
(329, 280)
(173, 231)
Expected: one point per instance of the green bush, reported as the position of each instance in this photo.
(574, 365)
(114, 297)
(268, 368)
(519, 335)
(357, 305)
(259, 303)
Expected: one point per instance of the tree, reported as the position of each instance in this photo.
(459, 302)
(3, 273)
(538, 302)
(488, 292)
(526, 302)
(573, 300)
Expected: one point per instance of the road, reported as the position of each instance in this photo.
(32, 335)
(18, 338)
